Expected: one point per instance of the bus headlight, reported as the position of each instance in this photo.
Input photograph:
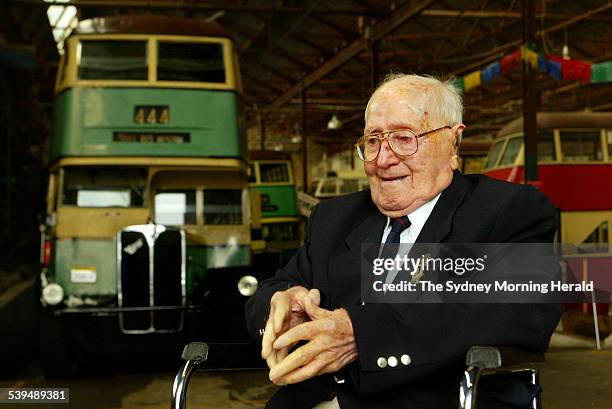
(247, 285)
(53, 294)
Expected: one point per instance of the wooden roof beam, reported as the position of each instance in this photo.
(324, 21)
(496, 14)
(231, 7)
(384, 27)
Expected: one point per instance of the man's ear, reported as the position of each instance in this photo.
(456, 132)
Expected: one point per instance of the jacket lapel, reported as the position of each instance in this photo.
(369, 231)
(344, 269)
(440, 220)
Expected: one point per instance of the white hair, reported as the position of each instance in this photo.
(444, 102)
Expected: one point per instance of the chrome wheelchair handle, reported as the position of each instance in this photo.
(194, 355)
(467, 387)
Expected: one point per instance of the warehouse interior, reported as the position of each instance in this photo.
(307, 71)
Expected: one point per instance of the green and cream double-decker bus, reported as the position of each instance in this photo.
(272, 185)
(149, 217)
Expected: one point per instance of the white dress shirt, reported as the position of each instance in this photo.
(417, 218)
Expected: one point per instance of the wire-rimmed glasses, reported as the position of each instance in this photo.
(403, 142)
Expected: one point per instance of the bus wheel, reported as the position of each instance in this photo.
(54, 350)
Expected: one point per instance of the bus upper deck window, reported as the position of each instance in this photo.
(113, 60)
(512, 149)
(175, 207)
(190, 62)
(222, 206)
(273, 172)
(581, 146)
(494, 154)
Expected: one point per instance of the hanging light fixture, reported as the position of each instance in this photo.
(334, 123)
(565, 50)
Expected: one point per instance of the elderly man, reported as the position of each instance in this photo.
(320, 338)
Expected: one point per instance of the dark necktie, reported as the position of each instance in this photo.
(391, 246)
(398, 225)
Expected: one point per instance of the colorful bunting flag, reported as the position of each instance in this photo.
(554, 69)
(601, 72)
(530, 56)
(510, 62)
(471, 80)
(573, 70)
(557, 67)
(490, 72)
(542, 63)
(459, 83)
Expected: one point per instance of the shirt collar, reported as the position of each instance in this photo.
(419, 217)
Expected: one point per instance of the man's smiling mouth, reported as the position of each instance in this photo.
(393, 179)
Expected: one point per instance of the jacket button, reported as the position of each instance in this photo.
(406, 359)
(392, 361)
(381, 362)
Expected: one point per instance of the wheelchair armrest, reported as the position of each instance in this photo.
(201, 355)
(195, 351)
(487, 360)
(495, 357)
(194, 355)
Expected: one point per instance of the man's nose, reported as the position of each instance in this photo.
(386, 156)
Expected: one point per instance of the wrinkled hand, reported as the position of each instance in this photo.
(331, 346)
(286, 311)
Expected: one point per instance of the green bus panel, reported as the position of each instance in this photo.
(86, 119)
(278, 201)
(99, 254)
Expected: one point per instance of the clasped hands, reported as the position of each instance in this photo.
(295, 316)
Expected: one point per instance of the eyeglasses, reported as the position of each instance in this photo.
(403, 142)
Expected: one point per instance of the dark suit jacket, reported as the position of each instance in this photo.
(473, 209)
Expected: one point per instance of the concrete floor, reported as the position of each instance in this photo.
(577, 375)
(574, 376)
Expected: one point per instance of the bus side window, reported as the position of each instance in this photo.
(103, 186)
(349, 185)
(512, 150)
(273, 172)
(494, 154)
(329, 186)
(175, 207)
(597, 241)
(581, 146)
(546, 146)
(223, 206)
